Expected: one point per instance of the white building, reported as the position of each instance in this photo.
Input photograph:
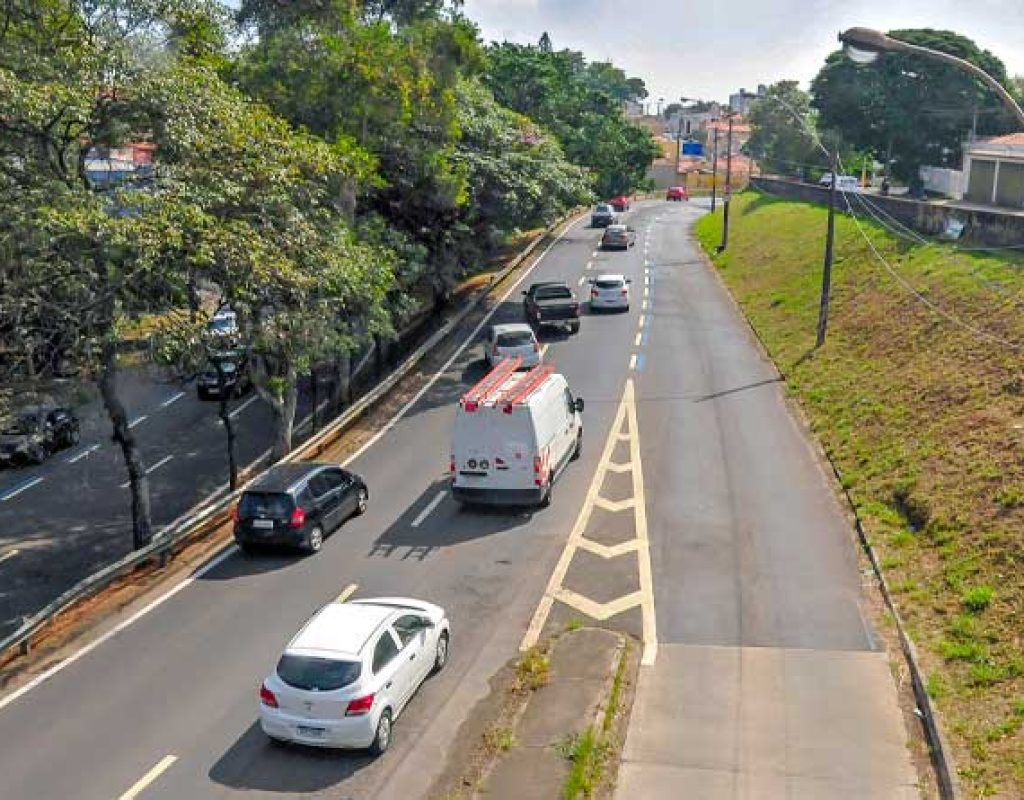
(994, 171)
(740, 102)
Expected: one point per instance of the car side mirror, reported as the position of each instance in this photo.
(629, 280)
(631, 230)
(578, 405)
(523, 294)
(426, 622)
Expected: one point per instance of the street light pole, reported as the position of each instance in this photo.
(826, 272)
(864, 44)
(714, 169)
(727, 196)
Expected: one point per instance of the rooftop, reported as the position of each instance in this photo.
(340, 628)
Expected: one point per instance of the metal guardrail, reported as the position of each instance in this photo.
(214, 512)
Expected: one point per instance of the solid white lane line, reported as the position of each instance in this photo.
(137, 420)
(458, 352)
(426, 512)
(137, 788)
(244, 406)
(232, 549)
(19, 489)
(156, 466)
(9, 554)
(76, 458)
(174, 398)
(346, 593)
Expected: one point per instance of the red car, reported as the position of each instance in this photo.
(620, 203)
(677, 193)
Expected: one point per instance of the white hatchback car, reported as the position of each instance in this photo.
(346, 676)
(511, 340)
(609, 292)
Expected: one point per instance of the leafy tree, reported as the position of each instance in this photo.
(581, 104)
(907, 109)
(782, 124)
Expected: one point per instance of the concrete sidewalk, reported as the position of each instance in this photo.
(714, 723)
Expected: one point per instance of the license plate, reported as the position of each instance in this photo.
(310, 733)
(263, 523)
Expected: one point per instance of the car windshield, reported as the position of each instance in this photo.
(608, 284)
(223, 324)
(26, 423)
(552, 292)
(227, 366)
(514, 339)
(264, 504)
(317, 674)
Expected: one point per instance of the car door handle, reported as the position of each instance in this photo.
(412, 657)
(387, 685)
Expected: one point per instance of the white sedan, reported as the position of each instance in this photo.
(346, 676)
(609, 292)
(513, 340)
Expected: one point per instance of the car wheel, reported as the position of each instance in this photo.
(382, 739)
(246, 548)
(74, 437)
(361, 502)
(545, 501)
(315, 540)
(579, 446)
(441, 653)
(574, 327)
(37, 455)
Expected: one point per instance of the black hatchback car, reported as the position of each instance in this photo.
(298, 505)
(36, 433)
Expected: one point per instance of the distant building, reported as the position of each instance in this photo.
(994, 171)
(633, 109)
(690, 123)
(740, 102)
(107, 166)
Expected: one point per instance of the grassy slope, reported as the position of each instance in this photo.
(926, 422)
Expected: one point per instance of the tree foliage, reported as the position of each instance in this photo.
(909, 108)
(782, 130)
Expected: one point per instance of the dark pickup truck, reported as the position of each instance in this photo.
(552, 303)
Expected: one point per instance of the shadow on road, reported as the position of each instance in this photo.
(264, 560)
(736, 390)
(255, 763)
(446, 526)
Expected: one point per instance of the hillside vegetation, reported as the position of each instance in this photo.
(922, 408)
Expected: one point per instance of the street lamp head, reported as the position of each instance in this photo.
(862, 45)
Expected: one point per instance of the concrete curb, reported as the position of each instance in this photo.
(939, 750)
(208, 514)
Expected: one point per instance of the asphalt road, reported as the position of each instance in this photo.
(172, 698)
(70, 516)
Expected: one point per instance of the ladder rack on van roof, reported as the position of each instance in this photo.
(490, 383)
(523, 388)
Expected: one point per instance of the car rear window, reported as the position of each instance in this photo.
(317, 674)
(515, 339)
(605, 209)
(265, 504)
(608, 284)
(551, 292)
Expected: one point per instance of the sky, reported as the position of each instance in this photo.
(710, 49)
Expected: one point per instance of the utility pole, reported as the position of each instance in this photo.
(728, 188)
(714, 168)
(826, 273)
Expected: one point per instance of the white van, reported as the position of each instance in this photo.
(844, 183)
(514, 434)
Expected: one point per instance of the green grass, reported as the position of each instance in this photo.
(925, 421)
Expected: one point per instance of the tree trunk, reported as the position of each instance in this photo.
(282, 406)
(138, 483)
(229, 426)
(341, 394)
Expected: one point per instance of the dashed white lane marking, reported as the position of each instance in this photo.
(632, 362)
(636, 341)
(21, 488)
(140, 785)
(594, 254)
(625, 418)
(244, 406)
(427, 511)
(153, 468)
(139, 419)
(643, 321)
(590, 265)
(8, 555)
(174, 398)
(346, 593)
(644, 306)
(583, 279)
(76, 458)
(647, 293)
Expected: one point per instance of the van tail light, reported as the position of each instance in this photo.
(298, 518)
(360, 706)
(594, 293)
(471, 406)
(235, 514)
(495, 350)
(499, 463)
(451, 464)
(538, 471)
(625, 291)
(536, 346)
(267, 697)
